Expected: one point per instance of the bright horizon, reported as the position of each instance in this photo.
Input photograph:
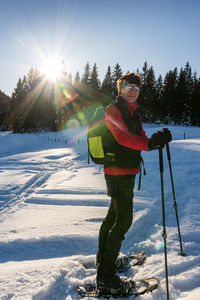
(162, 32)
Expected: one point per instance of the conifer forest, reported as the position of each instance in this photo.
(38, 104)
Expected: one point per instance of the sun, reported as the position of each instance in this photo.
(52, 68)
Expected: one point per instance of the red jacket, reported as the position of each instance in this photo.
(119, 130)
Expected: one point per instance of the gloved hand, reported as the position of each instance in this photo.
(159, 139)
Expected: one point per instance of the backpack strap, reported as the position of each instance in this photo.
(144, 173)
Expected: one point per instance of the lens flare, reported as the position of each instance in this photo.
(159, 244)
(83, 117)
(72, 124)
(69, 97)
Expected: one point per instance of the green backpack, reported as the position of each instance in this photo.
(96, 137)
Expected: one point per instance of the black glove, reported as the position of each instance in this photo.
(159, 139)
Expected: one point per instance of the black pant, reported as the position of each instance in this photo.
(117, 222)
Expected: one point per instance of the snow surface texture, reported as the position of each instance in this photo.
(52, 204)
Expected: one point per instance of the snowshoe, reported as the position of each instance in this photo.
(123, 262)
(130, 287)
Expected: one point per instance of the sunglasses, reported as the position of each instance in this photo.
(131, 88)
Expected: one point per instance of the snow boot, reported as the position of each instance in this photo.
(113, 284)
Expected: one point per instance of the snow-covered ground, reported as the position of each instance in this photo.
(52, 204)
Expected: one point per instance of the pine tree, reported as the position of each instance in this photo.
(117, 73)
(182, 97)
(107, 82)
(158, 99)
(168, 99)
(86, 75)
(33, 105)
(144, 73)
(94, 81)
(33, 77)
(159, 86)
(106, 88)
(4, 107)
(148, 94)
(77, 78)
(16, 109)
(142, 97)
(189, 87)
(195, 102)
(151, 95)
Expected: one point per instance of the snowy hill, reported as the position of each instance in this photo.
(52, 204)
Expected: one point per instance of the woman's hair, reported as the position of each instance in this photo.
(130, 78)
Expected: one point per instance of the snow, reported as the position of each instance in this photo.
(52, 204)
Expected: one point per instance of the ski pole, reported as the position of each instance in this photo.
(163, 215)
(174, 197)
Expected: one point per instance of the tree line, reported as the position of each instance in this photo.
(38, 104)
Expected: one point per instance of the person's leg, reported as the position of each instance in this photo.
(122, 202)
(109, 220)
(107, 224)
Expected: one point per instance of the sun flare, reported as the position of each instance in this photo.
(52, 68)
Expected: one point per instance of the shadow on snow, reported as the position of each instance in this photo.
(46, 248)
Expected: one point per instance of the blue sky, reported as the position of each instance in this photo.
(165, 33)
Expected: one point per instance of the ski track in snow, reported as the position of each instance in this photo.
(52, 205)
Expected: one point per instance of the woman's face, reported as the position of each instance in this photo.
(130, 92)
